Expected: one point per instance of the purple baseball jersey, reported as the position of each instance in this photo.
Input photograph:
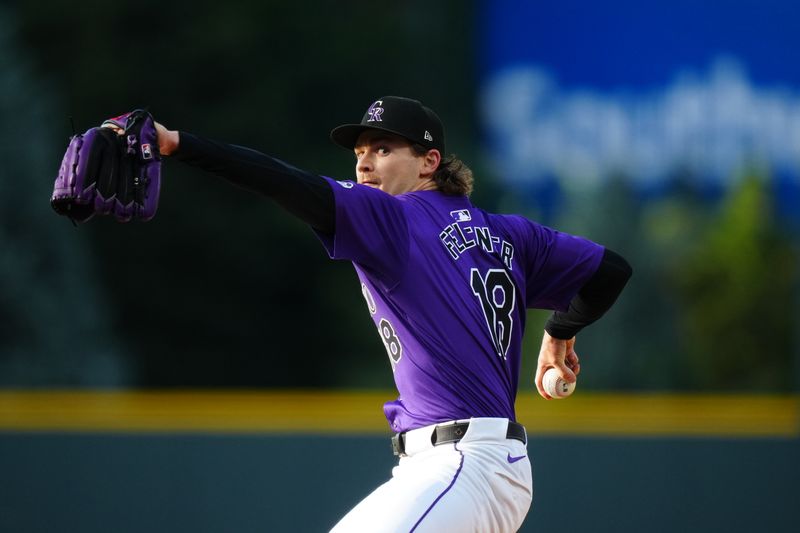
(447, 285)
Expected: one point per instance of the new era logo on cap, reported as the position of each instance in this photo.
(401, 116)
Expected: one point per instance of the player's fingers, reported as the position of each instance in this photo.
(571, 359)
(566, 373)
(539, 385)
(544, 394)
(573, 362)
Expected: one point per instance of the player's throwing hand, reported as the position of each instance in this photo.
(559, 354)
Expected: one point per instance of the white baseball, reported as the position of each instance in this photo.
(556, 387)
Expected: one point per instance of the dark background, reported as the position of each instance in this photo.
(223, 289)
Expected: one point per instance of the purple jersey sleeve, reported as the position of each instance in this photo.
(371, 230)
(557, 265)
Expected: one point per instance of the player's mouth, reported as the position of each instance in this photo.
(370, 182)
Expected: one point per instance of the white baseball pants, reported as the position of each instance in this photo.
(483, 483)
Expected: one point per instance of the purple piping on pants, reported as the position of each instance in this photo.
(461, 464)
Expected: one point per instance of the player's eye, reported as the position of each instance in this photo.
(383, 150)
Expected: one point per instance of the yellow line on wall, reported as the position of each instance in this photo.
(663, 415)
(212, 411)
(360, 412)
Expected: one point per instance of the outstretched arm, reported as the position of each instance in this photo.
(305, 195)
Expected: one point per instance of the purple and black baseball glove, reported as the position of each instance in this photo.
(112, 169)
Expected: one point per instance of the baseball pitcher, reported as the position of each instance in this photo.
(447, 285)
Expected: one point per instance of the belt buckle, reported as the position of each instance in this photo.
(448, 433)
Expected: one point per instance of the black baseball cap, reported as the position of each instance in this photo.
(394, 114)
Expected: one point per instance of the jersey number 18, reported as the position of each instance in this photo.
(497, 295)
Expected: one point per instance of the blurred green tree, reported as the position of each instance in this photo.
(735, 283)
(632, 347)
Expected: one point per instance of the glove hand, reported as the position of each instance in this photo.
(111, 169)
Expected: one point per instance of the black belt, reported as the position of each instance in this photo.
(454, 433)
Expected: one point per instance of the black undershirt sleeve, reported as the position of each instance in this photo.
(594, 298)
(303, 194)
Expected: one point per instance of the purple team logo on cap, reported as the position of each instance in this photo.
(375, 112)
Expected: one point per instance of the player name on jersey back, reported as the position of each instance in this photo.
(458, 240)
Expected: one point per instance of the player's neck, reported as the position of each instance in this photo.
(425, 185)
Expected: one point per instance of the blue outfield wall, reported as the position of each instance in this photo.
(135, 482)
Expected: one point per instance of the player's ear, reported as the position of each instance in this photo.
(432, 158)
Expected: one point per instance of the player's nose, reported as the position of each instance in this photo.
(365, 164)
